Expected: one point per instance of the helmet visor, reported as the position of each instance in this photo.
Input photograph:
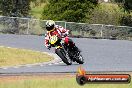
(50, 28)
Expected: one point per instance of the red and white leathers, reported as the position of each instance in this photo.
(60, 31)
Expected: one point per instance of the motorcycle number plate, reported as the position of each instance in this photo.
(53, 39)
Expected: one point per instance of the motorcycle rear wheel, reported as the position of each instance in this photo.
(80, 59)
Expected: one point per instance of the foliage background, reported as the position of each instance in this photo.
(117, 12)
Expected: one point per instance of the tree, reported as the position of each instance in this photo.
(68, 10)
(18, 8)
(127, 17)
(38, 2)
(126, 4)
(0, 6)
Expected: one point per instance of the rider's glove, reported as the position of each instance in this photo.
(48, 47)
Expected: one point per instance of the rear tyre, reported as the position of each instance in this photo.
(80, 59)
(64, 56)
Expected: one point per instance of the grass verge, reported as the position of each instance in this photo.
(13, 56)
(48, 81)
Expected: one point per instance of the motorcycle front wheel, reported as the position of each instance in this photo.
(64, 56)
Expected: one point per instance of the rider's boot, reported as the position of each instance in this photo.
(72, 44)
(76, 49)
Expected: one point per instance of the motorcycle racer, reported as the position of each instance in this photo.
(53, 29)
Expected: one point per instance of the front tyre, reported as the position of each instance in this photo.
(64, 56)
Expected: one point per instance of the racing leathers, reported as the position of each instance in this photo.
(60, 32)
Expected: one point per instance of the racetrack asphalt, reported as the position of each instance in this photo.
(99, 54)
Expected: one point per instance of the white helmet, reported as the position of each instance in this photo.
(50, 24)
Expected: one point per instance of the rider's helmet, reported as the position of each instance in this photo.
(50, 24)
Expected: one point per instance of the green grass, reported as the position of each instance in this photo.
(12, 56)
(56, 83)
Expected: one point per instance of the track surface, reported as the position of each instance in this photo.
(99, 55)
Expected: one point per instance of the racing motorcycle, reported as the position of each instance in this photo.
(65, 51)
